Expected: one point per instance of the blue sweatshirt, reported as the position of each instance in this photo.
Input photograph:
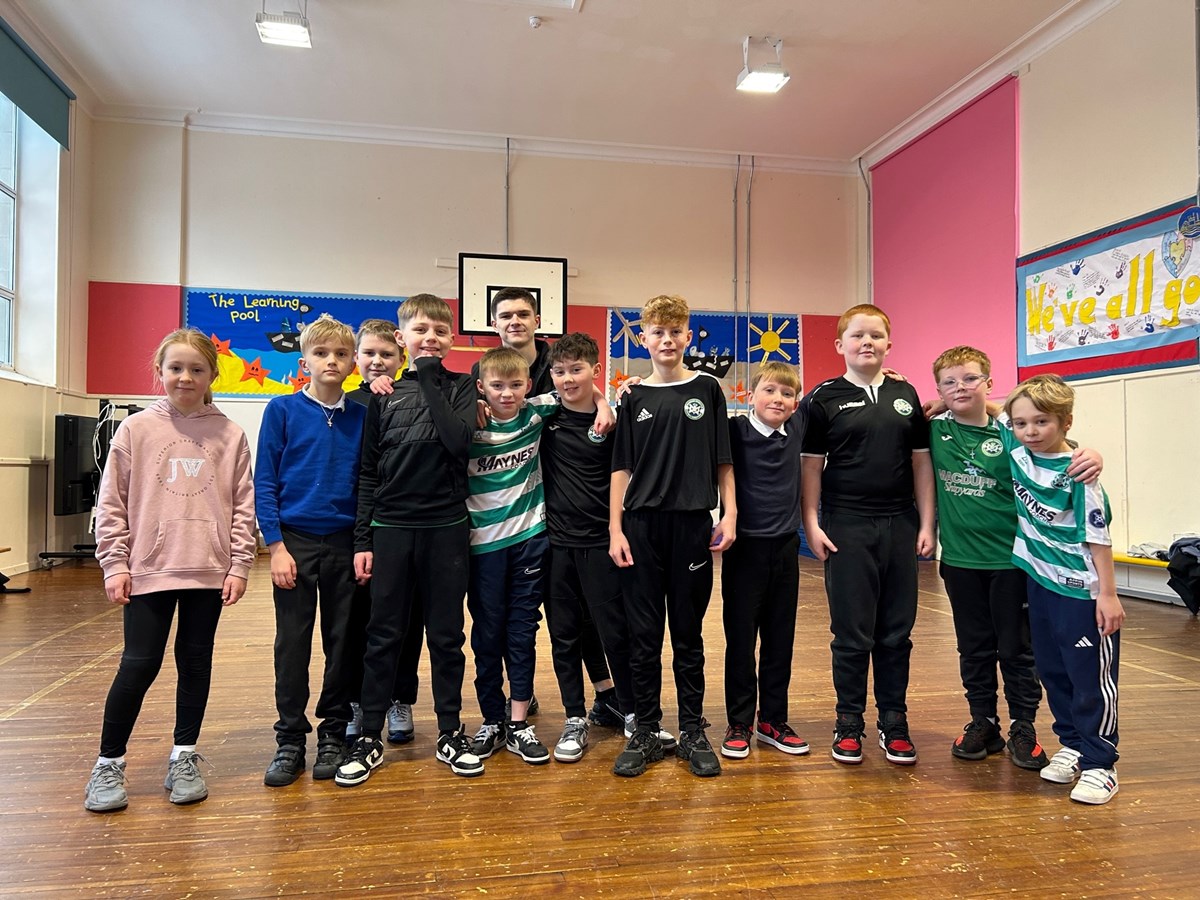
(307, 466)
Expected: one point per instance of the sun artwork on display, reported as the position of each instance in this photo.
(771, 339)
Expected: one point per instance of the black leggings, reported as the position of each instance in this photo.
(147, 626)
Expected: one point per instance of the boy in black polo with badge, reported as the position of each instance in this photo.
(760, 574)
(671, 454)
(866, 459)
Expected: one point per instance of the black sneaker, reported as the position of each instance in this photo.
(604, 711)
(643, 748)
(365, 755)
(331, 753)
(1023, 746)
(286, 767)
(895, 740)
(488, 739)
(980, 737)
(847, 739)
(454, 750)
(524, 742)
(695, 748)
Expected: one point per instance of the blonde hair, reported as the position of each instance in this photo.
(380, 328)
(665, 309)
(429, 305)
(780, 373)
(960, 356)
(326, 329)
(199, 342)
(863, 309)
(1048, 393)
(502, 362)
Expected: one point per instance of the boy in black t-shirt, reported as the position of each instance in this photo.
(866, 457)
(671, 455)
(760, 574)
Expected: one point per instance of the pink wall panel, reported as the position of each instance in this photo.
(944, 240)
(125, 324)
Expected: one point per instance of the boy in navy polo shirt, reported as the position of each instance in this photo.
(760, 574)
(866, 460)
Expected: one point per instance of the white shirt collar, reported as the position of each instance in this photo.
(764, 429)
(341, 404)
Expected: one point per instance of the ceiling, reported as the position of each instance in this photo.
(644, 73)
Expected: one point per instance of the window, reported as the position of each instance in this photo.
(8, 226)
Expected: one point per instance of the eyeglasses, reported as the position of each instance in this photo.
(970, 382)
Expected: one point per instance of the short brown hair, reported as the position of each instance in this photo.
(380, 328)
(780, 373)
(504, 295)
(960, 356)
(199, 342)
(326, 328)
(575, 345)
(665, 309)
(429, 305)
(502, 362)
(1048, 393)
(863, 309)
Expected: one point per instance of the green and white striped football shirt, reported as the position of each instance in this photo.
(504, 476)
(1056, 520)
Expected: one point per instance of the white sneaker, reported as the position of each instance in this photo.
(667, 739)
(573, 742)
(1095, 786)
(1063, 767)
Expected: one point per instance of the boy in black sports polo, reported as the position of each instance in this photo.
(670, 456)
(865, 460)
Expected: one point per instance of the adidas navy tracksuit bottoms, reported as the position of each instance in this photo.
(1078, 668)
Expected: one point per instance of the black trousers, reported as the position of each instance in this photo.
(584, 588)
(760, 581)
(325, 581)
(671, 579)
(147, 620)
(426, 566)
(991, 623)
(404, 689)
(871, 583)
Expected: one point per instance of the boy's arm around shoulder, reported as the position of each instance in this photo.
(368, 477)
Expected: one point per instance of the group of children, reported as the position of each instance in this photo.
(491, 485)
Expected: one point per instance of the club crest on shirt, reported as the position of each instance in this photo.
(1096, 518)
(1061, 482)
(902, 406)
(992, 447)
(693, 409)
(596, 438)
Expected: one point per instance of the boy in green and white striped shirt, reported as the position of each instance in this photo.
(508, 543)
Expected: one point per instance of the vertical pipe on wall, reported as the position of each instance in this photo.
(507, 158)
(737, 174)
(749, 192)
(870, 270)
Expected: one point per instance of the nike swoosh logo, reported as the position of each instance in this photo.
(532, 571)
(693, 568)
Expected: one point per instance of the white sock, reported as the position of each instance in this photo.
(181, 748)
(107, 760)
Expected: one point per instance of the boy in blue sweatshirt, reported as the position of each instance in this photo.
(304, 483)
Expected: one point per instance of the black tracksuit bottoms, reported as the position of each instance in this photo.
(428, 566)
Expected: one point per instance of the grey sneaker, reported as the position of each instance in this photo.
(184, 780)
(105, 791)
(573, 742)
(354, 726)
(399, 723)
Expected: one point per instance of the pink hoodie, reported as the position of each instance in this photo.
(176, 503)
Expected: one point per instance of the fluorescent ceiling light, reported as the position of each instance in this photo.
(285, 29)
(764, 78)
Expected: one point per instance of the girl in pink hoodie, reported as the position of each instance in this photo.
(174, 527)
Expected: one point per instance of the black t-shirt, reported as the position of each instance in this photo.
(577, 468)
(766, 471)
(868, 444)
(672, 437)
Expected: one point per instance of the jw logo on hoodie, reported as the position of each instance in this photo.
(189, 468)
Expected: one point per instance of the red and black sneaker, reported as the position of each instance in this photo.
(847, 740)
(781, 737)
(1023, 746)
(737, 742)
(980, 737)
(894, 739)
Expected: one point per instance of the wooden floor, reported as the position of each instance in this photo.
(770, 826)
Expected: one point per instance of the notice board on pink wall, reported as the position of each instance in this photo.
(944, 240)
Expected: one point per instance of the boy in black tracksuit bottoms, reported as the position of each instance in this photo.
(866, 459)
(760, 574)
(411, 534)
(671, 452)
